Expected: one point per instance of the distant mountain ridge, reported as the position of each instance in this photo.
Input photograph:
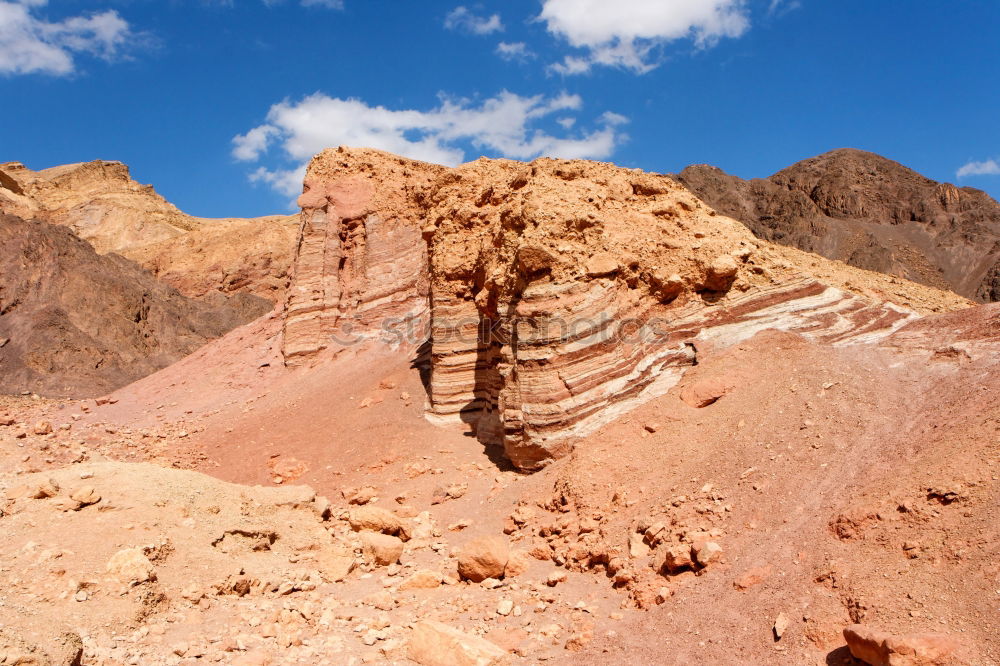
(101, 203)
(870, 212)
(77, 323)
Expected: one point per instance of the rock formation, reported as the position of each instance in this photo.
(561, 294)
(360, 262)
(76, 323)
(869, 212)
(101, 203)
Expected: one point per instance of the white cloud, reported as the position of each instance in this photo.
(506, 125)
(328, 4)
(624, 33)
(514, 51)
(782, 7)
(324, 4)
(29, 44)
(984, 168)
(464, 20)
(250, 145)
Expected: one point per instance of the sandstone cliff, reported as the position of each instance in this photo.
(869, 212)
(251, 256)
(559, 294)
(101, 203)
(77, 323)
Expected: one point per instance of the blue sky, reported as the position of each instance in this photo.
(219, 104)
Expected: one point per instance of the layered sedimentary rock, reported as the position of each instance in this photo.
(869, 212)
(564, 293)
(561, 293)
(361, 262)
(101, 203)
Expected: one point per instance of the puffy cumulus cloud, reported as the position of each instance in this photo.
(29, 44)
(984, 168)
(507, 125)
(464, 20)
(625, 33)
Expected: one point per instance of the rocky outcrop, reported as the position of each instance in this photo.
(879, 648)
(101, 203)
(437, 644)
(229, 256)
(360, 263)
(81, 324)
(560, 294)
(869, 212)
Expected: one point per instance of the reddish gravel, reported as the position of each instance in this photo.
(844, 484)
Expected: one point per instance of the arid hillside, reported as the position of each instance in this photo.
(101, 204)
(869, 212)
(77, 323)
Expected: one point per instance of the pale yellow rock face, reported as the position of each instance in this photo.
(101, 203)
(253, 256)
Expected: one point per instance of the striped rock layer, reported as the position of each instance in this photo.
(361, 262)
(559, 294)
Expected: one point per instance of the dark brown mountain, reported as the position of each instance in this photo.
(870, 212)
(77, 323)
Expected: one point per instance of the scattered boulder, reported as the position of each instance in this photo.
(482, 558)
(42, 428)
(677, 558)
(437, 644)
(381, 549)
(63, 648)
(879, 648)
(336, 562)
(422, 580)
(131, 566)
(517, 564)
(380, 600)
(721, 273)
(602, 264)
(86, 496)
(360, 496)
(67, 504)
(375, 519)
(780, 626)
(637, 546)
(707, 552)
(556, 577)
(704, 392)
(44, 490)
